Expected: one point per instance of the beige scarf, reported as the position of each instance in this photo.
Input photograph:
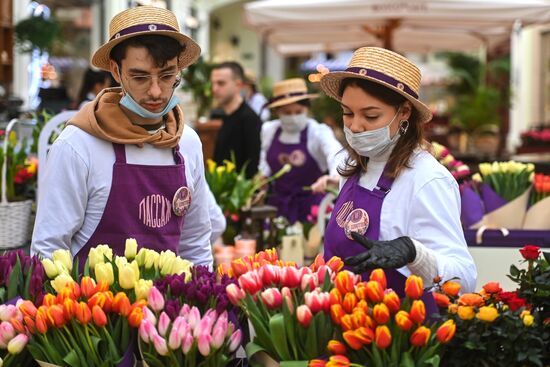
(104, 119)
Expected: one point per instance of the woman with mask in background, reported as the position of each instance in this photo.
(398, 208)
(308, 146)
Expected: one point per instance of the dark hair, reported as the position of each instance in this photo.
(236, 69)
(161, 48)
(400, 156)
(91, 78)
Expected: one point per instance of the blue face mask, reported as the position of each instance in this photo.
(128, 102)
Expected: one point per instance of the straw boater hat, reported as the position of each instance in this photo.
(383, 67)
(146, 20)
(289, 91)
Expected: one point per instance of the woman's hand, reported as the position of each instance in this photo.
(325, 183)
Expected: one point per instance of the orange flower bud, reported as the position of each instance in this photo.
(414, 287)
(335, 296)
(446, 331)
(363, 306)
(345, 282)
(358, 319)
(403, 320)
(451, 288)
(418, 311)
(381, 313)
(492, 287)
(442, 300)
(337, 313)
(382, 337)
(380, 276)
(108, 306)
(453, 308)
(99, 317)
(88, 286)
(352, 339)
(420, 336)
(375, 293)
(335, 263)
(471, 299)
(75, 288)
(349, 302)
(83, 313)
(369, 322)
(466, 312)
(391, 299)
(121, 304)
(135, 317)
(336, 347)
(56, 316)
(346, 322)
(338, 361)
(239, 267)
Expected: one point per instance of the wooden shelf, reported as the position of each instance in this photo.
(6, 43)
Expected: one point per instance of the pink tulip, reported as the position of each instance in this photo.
(177, 333)
(155, 299)
(187, 343)
(235, 341)
(309, 281)
(8, 312)
(164, 322)
(193, 317)
(313, 301)
(290, 277)
(143, 334)
(251, 282)
(287, 296)
(149, 315)
(185, 310)
(234, 293)
(303, 315)
(16, 345)
(218, 337)
(272, 298)
(204, 326)
(203, 343)
(160, 345)
(270, 274)
(6, 332)
(221, 322)
(321, 273)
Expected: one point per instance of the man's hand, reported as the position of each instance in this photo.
(392, 254)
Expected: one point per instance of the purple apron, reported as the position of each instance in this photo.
(288, 194)
(147, 203)
(358, 209)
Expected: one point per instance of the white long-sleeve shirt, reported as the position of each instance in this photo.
(77, 183)
(424, 204)
(321, 144)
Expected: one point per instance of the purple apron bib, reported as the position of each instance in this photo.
(147, 203)
(288, 195)
(358, 209)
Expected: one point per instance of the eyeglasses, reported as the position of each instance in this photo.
(143, 82)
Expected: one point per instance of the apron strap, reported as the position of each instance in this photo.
(303, 136)
(384, 183)
(178, 158)
(120, 153)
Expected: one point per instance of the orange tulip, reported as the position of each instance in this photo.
(353, 340)
(382, 337)
(391, 299)
(369, 322)
(492, 287)
(88, 286)
(63, 294)
(414, 287)
(365, 334)
(335, 296)
(317, 363)
(363, 306)
(56, 316)
(121, 304)
(446, 331)
(466, 312)
(239, 267)
(41, 323)
(403, 320)
(336, 347)
(451, 288)
(381, 313)
(99, 317)
(420, 336)
(135, 317)
(98, 299)
(108, 306)
(83, 313)
(442, 300)
(75, 288)
(349, 302)
(346, 322)
(336, 313)
(338, 361)
(102, 286)
(49, 299)
(335, 263)
(18, 326)
(453, 308)
(345, 282)
(69, 307)
(27, 308)
(418, 311)
(361, 291)
(375, 292)
(471, 299)
(380, 276)
(30, 324)
(358, 319)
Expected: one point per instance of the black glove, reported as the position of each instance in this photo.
(381, 254)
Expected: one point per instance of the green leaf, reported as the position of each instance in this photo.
(277, 329)
(72, 359)
(514, 271)
(293, 363)
(406, 360)
(546, 256)
(311, 339)
(433, 361)
(15, 280)
(251, 350)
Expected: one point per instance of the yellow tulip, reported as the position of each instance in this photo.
(466, 312)
(495, 167)
(50, 268)
(167, 266)
(151, 259)
(477, 177)
(120, 261)
(487, 313)
(164, 257)
(130, 249)
(97, 255)
(142, 288)
(530, 167)
(61, 269)
(135, 266)
(127, 277)
(485, 169)
(104, 272)
(180, 266)
(64, 257)
(140, 257)
(211, 165)
(61, 282)
(505, 167)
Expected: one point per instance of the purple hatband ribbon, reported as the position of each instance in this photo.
(143, 28)
(385, 78)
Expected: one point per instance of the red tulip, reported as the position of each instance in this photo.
(345, 282)
(270, 274)
(309, 282)
(380, 276)
(391, 299)
(336, 347)
(83, 313)
(418, 311)
(317, 363)
(41, 323)
(381, 313)
(288, 298)
(272, 298)
(349, 302)
(303, 315)
(420, 336)
(97, 299)
(290, 277)
(352, 339)
(239, 267)
(403, 320)
(375, 292)
(414, 287)
(88, 286)
(338, 361)
(335, 263)
(442, 300)
(69, 307)
(382, 337)
(446, 331)
(361, 291)
(251, 282)
(99, 317)
(335, 296)
(363, 306)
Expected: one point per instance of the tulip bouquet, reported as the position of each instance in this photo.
(244, 264)
(12, 341)
(188, 338)
(538, 214)
(458, 169)
(508, 179)
(288, 309)
(82, 325)
(377, 328)
(21, 276)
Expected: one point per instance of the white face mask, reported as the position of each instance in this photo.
(374, 142)
(293, 123)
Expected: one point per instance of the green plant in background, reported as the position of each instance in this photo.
(36, 32)
(196, 80)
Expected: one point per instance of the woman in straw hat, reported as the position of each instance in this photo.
(398, 208)
(126, 166)
(310, 147)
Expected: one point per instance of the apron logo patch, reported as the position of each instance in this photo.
(343, 213)
(357, 221)
(181, 201)
(296, 158)
(155, 211)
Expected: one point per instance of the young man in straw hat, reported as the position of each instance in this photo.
(126, 165)
(398, 208)
(310, 147)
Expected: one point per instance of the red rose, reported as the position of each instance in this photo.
(512, 300)
(530, 252)
(492, 287)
